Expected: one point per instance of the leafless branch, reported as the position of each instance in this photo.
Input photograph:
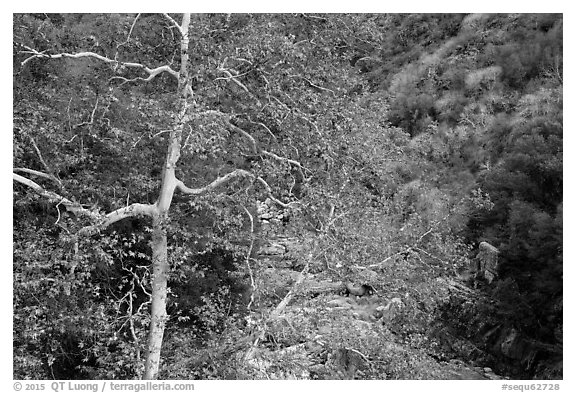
(557, 69)
(414, 246)
(277, 157)
(468, 120)
(127, 38)
(216, 183)
(246, 135)
(140, 283)
(429, 255)
(272, 197)
(231, 74)
(252, 282)
(314, 17)
(242, 60)
(296, 112)
(429, 231)
(252, 140)
(359, 353)
(315, 85)
(33, 172)
(133, 210)
(233, 79)
(160, 132)
(88, 123)
(387, 258)
(152, 72)
(333, 219)
(277, 311)
(73, 207)
(174, 23)
(71, 139)
(265, 127)
(102, 221)
(48, 169)
(69, 118)
(132, 330)
(225, 179)
(58, 209)
(310, 122)
(135, 143)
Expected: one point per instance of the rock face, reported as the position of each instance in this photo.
(526, 351)
(485, 265)
(368, 309)
(268, 212)
(272, 249)
(281, 246)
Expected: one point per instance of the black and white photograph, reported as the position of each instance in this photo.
(287, 196)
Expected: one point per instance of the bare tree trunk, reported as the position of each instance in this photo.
(158, 314)
(160, 266)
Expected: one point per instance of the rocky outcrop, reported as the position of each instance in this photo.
(369, 310)
(269, 212)
(524, 350)
(272, 249)
(485, 265)
(281, 246)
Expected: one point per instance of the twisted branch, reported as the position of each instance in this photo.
(127, 38)
(102, 221)
(252, 140)
(152, 72)
(72, 207)
(238, 173)
(216, 183)
(174, 23)
(133, 210)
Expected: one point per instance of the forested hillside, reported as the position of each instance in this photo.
(253, 196)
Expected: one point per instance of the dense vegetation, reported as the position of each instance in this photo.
(416, 136)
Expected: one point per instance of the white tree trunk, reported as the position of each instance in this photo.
(160, 266)
(158, 316)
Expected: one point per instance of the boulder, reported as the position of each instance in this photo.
(272, 249)
(485, 264)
